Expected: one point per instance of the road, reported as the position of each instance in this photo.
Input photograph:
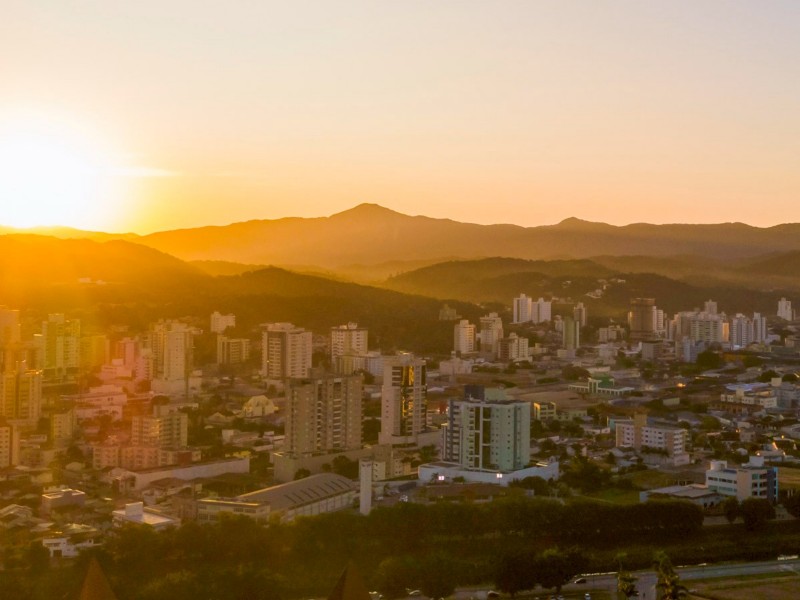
(647, 579)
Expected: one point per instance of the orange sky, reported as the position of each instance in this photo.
(518, 111)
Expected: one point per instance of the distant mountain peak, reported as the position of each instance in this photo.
(576, 222)
(368, 209)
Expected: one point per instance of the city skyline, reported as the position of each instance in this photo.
(152, 117)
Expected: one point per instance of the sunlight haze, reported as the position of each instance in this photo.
(515, 112)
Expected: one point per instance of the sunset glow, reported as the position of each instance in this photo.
(54, 177)
(529, 112)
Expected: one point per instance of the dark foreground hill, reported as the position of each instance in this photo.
(121, 283)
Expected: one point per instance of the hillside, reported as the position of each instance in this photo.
(501, 279)
(140, 285)
(27, 260)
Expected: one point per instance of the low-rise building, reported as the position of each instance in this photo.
(137, 514)
(61, 498)
(701, 495)
(314, 495)
(751, 480)
(641, 435)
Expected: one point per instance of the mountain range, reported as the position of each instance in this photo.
(412, 265)
(370, 235)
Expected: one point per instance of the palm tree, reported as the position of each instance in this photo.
(626, 581)
(669, 582)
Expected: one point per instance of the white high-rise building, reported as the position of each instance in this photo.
(232, 351)
(571, 334)
(21, 393)
(177, 357)
(9, 444)
(513, 348)
(491, 333)
(741, 331)
(170, 346)
(710, 307)
(785, 309)
(542, 311)
(323, 414)
(488, 434)
(580, 314)
(745, 331)
(10, 330)
(10, 337)
(759, 328)
(60, 346)
(404, 399)
(348, 339)
(464, 337)
(220, 322)
(522, 309)
(709, 328)
(286, 351)
(642, 319)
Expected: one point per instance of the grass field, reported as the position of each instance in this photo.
(770, 586)
(614, 496)
(788, 477)
(650, 479)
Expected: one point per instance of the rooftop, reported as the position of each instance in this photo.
(301, 492)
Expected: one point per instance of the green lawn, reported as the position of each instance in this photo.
(650, 479)
(614, 496)
(788, 477)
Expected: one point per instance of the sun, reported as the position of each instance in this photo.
(52, 175)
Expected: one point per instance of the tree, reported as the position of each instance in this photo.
(668, 580)
(792, 505)
(709, 360)
(394, 574)
(626, 582)
(428, 454)
(756, 512)
(437, 576)
(513, 573)
(730, 506)
(554, 568)
(539, 485)
(345, 467)
(38, 558)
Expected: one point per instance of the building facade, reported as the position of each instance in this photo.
(751, 480)
(286, 351)
(323, 414)
(488, 434)
(404, 399)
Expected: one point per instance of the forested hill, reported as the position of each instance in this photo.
(121, 283)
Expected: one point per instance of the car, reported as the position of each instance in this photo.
(587, 596)
(580, 580)
(414, 593)
(492, 594)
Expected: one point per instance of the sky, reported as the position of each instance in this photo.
(153, 115)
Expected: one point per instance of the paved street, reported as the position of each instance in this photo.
(647, 579)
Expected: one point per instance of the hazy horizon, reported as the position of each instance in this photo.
(44, 228)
